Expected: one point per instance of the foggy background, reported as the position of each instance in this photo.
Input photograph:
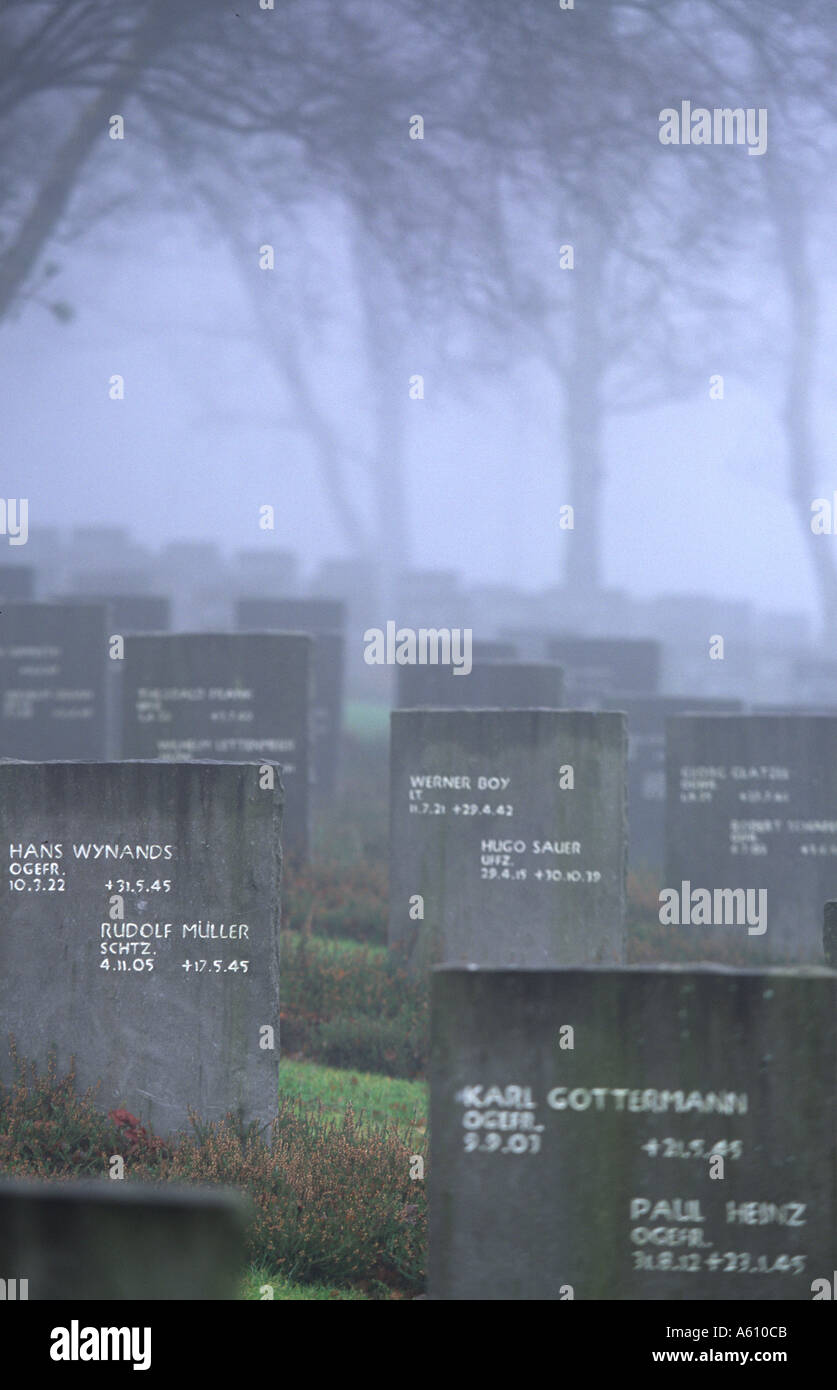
(438, 257)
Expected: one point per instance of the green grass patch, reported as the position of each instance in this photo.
(367, 719)
(377, 1101)
(255, 1285)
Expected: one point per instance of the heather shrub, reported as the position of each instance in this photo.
(48, 1130)
(329, 1202)
(389, 1046)
(352, 1008)
(348, 901)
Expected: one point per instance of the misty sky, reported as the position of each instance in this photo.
(695, 498)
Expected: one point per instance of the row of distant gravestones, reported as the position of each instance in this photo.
(278, 696)
(120, 877)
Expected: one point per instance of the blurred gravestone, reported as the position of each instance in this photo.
(508, 826)
(590, 1170)
(17, 582)
(134, 612)
(267, 572)
(647, 716)
(829, 935)
(752, 809)
(493, 651)
(126, 613)
(140, 932)
(597, 667)
(357, 584)
(53, 665)
(122, 1240)
(325, 621)
(224, 695)
(489, 684)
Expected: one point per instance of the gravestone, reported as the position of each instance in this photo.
(217, 695)
(134, 612)
(489, 684)
(325, 621)
(53, 660)
(267, 571)
(791, 709)
(17, 582)
(507, 830)
(493, 651)
(121, 580)
(584, 1164)
(829, 935)
(814, 680)
(530, 643)
(432, 598)
(125, 613)
(647, 716)
(292, 614)
(751, 809)
(596, 667)
(165, 1004)
(357, 583)
(122, 1240)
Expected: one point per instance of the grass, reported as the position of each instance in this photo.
(378, 1102)
(367, 720)
(256, 1282)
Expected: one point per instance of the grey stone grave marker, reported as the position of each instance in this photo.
(815, 680)
(126, 613)
(752, 809)
(224, 695)
(53, 667)
(647, 716)
(509, 826)
(493, 651)
(596, 667)
(122, 1240)
(829, 934)
(17, 582)
(325, 621)
(585, 1164)
(166, 1004)
(134, 612)
(489, 684)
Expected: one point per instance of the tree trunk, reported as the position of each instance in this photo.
(388, 376)
(389, 390)
(325, 441)
(785, 203)
(17, 264)
(583, 420)
(284, 349)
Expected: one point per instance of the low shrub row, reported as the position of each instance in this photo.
(331, 1202)
(351, 1008)
(347, 901)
